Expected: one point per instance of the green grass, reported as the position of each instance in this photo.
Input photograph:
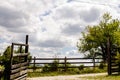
(41, 74)
(113, 77)
(69, 72)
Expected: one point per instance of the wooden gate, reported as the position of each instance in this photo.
(113, 66)
(19, 62)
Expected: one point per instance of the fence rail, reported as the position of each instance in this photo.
(38, 61)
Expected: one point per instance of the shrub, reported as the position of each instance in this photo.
(51, 67)
(81, 67)
(2, 68)
(102, 65)
(45, 68)
(54, 66)
(118, 57)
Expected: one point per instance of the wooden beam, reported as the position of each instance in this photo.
(19, 44)
(19, 54)
(18, 65)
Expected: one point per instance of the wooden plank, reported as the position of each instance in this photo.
(23, 72)
(13, 76)
(18, 65)
(114, 70)
(63, 58)
(18, 69)
(68, 67)
(23, 77)
(64, 63)
(76, 66)
(19, 44)
(20, 54)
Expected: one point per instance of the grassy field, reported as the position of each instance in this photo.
(39, 74)
(113, 77)
(70, 72)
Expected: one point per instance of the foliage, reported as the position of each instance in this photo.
(6, 61)
(7, 54)
(51, 67)
(2, 68)
(81, 67)
(54, 66)
(97, 38)
(71, 71)
(101, 77)
(117, 57)
(90, 70)
(45, 68)
(102, 65)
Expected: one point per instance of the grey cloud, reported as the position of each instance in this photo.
(90, 15)
(119, 5)
(66, 13)
(53, 43)
(12, 19)
(72, 29)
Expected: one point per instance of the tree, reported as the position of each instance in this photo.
(99, 38)
(6, 61)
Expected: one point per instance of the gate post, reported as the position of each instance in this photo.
(65, 63)
(94, 62)
(109, 56)
(26, 47)
(34, 67)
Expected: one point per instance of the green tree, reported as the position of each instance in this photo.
(99, 38)
(7, 54)
(6, 61)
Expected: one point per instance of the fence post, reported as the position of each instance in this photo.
(34, 64)
(65, 63)
(94, 62)
(109, 56)
(26, 47)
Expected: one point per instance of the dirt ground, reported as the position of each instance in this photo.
(68, 77)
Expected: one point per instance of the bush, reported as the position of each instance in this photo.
(81, 67)
(117, 57)
(45, 68)
(102, 65)
(51, 67)
(2, 68)
(91, 70)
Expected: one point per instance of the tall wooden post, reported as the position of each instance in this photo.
(94, 61)
(109, 56)
(65, 63)
(26, 42)
(26, 47)
(34, 64)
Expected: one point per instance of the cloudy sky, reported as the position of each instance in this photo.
(53, 26)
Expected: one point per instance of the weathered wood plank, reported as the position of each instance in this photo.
(16, 75)
(64, 58)
(19, 44)
(23, 77)
(18, 65)
(64, 63)
(20, 54)
(18, 69)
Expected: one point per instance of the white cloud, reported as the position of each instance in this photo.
(51, 24)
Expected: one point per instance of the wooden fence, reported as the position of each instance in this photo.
(17, 70)
(81, 61)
